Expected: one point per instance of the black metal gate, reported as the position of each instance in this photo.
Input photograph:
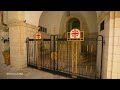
(57, 55)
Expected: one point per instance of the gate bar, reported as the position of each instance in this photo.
(27, 41)
(101, 55)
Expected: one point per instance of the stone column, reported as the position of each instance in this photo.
(17, 45)
(111, 53)
(113, 71)
(1, 56)
(104, 16)
(3, 30)
(18, 32)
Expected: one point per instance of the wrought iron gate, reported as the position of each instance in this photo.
(57, 55)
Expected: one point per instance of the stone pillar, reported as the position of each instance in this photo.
(1, 56)
(3, 31)
(18, 32)
(111, 53)
(4, 34)
(17, 45)
(113, 71)
(105, 33)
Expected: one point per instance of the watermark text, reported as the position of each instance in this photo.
(14, 73)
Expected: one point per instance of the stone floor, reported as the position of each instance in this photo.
(9, 72)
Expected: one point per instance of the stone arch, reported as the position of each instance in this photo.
(62, 18)
(73, 23)
(83, 24)
(51, 20)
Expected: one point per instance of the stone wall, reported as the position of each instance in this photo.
(111, 49)
(105, 33)
(114, 46)
(19, 31)
(3, 46)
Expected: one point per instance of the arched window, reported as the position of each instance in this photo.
(73, 23)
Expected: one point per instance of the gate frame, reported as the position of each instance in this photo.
(103, 42)
(55, 70)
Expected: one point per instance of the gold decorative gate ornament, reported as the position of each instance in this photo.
(53, 55)
(38, 38)
(75, 36)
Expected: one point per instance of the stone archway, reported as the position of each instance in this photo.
(64, 24)
(73, 23)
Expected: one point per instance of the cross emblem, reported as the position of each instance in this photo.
(75, 33)
(38, 35)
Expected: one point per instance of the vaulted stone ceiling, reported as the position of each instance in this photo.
(33, 17)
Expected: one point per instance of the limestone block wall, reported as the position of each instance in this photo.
(3, 46)
(111, 49)
(29, 17)
(113, 71)
(65, 18)
(14, 16)
(5, 17)
(51, 20)
(18, 32)
(105, 33)
(45, 35)
(31, 31)
(17, 44)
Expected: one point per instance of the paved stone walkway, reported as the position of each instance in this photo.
(9, 72)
